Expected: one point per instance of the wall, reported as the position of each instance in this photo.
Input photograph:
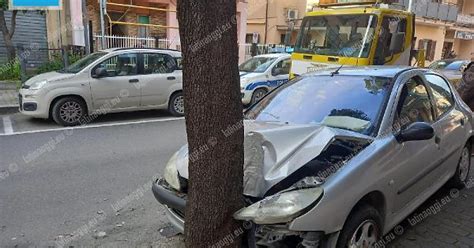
(432, 32)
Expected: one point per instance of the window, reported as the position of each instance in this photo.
(155, 63)
(121, 65)
(430, 48)
(285, 65)
(143, 30)
(414, 105)
(341, 35)
(443, 97)
(390, 26)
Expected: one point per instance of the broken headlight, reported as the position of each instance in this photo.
(171, 173)
(280, 208)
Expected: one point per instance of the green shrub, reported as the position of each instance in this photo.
(10, 71)
(56, 63)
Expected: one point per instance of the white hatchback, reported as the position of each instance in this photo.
(110, 81)
(261, 74)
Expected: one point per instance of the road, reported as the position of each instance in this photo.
(64, 187)
(56, 181)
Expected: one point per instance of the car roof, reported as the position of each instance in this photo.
(273, 55)
(373, 71)
(172, 52)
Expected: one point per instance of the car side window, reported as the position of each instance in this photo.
(442, 95)
(414, 104)
(284, 65)
(120, 65)
(157, 63)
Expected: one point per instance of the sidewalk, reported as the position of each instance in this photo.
(8, 98)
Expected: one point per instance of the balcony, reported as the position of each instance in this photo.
(435, 11)
(465, 20)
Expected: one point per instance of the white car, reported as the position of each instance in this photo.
(261, 74)
(114, 80)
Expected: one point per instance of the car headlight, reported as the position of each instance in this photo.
(279, 208)
(37, 85)
(171, 173)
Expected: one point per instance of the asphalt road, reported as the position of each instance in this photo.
(62, 185)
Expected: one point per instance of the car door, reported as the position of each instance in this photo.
(118, 89)
(449, 125)
(160, 77)
(280, 73)
(413, 158)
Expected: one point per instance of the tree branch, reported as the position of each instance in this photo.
(3, 24)
(13, 23)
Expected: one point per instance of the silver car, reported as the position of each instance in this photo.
(110, 81)
(339, 158)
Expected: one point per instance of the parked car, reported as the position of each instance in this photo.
(262, 73)
(109, 81)
(339, 158)
(451, 68)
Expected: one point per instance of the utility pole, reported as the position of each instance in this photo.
(85, 23)
(102, 23)
(266, 24)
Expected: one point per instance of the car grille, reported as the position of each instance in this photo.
(20, 100)
(179, 213)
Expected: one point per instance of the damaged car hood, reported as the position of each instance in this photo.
(274, 151)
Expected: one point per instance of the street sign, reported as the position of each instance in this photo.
(464, 35)
(35, 4)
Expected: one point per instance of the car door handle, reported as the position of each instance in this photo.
(133, 81)
(461, 121)
(171, 78)
(437, 140)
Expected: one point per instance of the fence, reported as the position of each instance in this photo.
(263, 49)
(113, 41)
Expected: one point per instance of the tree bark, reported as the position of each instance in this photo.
(8, 34)
(208, 34)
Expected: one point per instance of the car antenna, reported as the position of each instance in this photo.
(336, 71)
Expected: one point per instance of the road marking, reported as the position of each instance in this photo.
(7, 125)
(87, 126)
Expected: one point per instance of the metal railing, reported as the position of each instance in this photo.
(113, 41)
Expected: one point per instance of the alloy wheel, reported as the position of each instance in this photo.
(464, 165)
(365, 236)
(178, 105)
(70, 112)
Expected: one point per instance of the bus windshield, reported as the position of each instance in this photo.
(337, 35)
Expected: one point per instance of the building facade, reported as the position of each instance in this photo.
(273, 19)
(445, 28)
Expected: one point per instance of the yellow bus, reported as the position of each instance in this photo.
(356, 34)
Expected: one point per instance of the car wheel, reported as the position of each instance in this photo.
(257, 95)
(363, 228)
(68, 111)
(176, 105)
(461, 176)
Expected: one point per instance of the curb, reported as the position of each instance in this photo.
(10, 109)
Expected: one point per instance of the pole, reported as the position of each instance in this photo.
(102, 23)
(410, 6)
(266, 24)
(85, 23)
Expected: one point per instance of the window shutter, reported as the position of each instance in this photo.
(433, 50)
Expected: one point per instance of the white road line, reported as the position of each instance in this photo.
(88, 126)
(7, 125)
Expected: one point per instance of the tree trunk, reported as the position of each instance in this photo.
(8, 34)
(208, 33)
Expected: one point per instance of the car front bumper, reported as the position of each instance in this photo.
(31, 105)
(174, 203)
(246, 96)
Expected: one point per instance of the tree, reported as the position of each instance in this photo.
(212, 99)
(8, 32)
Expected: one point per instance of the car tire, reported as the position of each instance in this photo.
(461, 176)
(257, 95)
(176, 105)
(363, 225)
(69, 111)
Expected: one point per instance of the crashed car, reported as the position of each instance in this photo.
(339, 158)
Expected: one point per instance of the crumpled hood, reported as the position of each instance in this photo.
(50, 77)
(273, 151)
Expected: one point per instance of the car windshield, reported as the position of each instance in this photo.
(348, 102)
(341, 35)
(447, 65)
(257, 64)
(83, 63)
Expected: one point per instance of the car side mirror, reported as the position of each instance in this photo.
(397, 43)
(416, 131)
(100, 72)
